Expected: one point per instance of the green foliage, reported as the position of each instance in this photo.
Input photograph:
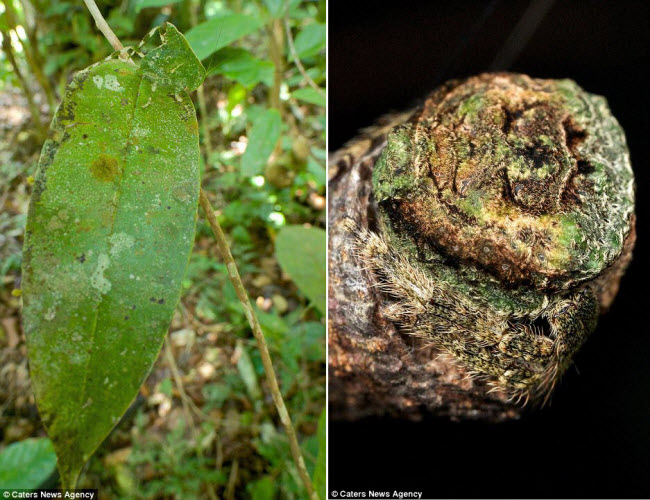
(311, 40)
(262, 489)
(177, 468)
(109, 233)
(309, 95)
(301, 253)
(241, 66)
(144, 4)
(247, 373)
(274, 447)
(320, 477)
(219, 32)
(172, 64)
(293, 342)
(26, 464)
(262, 139)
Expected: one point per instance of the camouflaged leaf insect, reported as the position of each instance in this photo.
(109, 233)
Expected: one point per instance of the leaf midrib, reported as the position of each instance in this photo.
(116, 198)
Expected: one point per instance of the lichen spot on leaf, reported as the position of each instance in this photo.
(183, 192)
(97, 280)
(120, 242)
(111, 83)
(108, 82)
(105, 168)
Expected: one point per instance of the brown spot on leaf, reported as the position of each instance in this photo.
(105, 168)
(192, 127)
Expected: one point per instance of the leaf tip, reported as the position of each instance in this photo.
(69, 473)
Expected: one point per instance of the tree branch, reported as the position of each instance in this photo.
(296, 60)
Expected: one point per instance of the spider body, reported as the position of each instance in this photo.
(506, 221)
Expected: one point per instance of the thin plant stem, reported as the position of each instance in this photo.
(276, 53)
(276, 49)
(178, 380)
(30, 50)
(103, 26)
(185, 399)
(200, 94)
(232, 480)
(33, 107)
(233, 273)
(296, 60)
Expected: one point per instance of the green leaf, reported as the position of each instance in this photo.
(109, 232)
(311, 337)
(144, 4)
(121, 24)
(311, 40)
(247, 372)
(236, 95)
(216, 33)
(261, 141)
(309, 95)
(57, 8)
(321, 462)
(56, 61)
(275, 7)
(271, 323)
(26, 464)
(216, 394)
(301, 253)
(3, 22)
(262, 489)
(316, 73)
(241, 66)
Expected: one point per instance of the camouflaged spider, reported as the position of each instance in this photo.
(506, 221)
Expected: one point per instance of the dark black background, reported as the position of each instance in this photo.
(594, 438)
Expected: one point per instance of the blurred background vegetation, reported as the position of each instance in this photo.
(203, 425)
